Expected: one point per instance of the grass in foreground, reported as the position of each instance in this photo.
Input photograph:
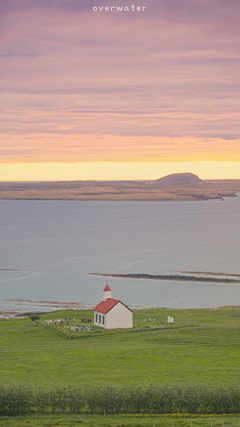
(202, 346)
(122, 421)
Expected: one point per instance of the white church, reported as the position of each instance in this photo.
(112, 313)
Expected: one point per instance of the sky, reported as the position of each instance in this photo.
(91, 92)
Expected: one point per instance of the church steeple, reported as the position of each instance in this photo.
(106, 292)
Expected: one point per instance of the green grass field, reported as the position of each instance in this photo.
(121, 421)
(205, 351)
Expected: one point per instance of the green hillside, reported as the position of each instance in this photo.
(202, 346)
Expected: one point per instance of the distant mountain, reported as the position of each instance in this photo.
(180, 178)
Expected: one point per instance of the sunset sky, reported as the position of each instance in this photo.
(119, 94)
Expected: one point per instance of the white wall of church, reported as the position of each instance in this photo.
(119, 317)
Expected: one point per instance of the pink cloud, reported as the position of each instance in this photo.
(68, 72)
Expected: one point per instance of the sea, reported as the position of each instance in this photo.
(49, 250)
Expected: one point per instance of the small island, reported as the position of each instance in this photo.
(200, 277)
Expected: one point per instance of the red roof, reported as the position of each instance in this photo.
(106, 288)
(106, 305)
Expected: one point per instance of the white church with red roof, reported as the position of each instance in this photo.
(112, 313)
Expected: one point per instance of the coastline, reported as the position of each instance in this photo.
(119, 190)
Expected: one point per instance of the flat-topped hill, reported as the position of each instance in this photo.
(180, 178)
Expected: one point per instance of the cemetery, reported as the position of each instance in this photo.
(77, 327)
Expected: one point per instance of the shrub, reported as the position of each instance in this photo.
(34, 317)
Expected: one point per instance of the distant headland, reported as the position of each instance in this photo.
(177, 186)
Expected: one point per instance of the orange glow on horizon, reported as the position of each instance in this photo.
(115, 170)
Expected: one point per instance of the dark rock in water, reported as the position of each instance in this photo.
(33, 312)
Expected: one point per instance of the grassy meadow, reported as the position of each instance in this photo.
(202, 346)
(121, 420)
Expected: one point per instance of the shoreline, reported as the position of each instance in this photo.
(13, 314)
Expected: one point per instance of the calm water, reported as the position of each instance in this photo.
(57, 242)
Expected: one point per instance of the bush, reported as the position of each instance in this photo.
(34, 317)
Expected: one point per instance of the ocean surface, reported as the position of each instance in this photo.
(53, 245)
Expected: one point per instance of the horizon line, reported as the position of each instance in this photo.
(115, 171)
